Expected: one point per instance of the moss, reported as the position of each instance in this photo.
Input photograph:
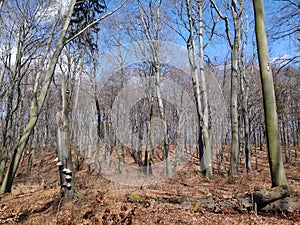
(78, 196)
(196, 206)
(133, 198)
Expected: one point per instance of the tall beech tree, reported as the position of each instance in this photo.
(275, 159)
(236, 8)
(199, 86)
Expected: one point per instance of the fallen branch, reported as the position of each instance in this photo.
(264, 197)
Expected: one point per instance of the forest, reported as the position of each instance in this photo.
(149, 112)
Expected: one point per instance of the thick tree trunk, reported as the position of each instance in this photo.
(275, 159)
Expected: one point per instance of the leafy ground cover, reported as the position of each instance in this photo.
(35, 199)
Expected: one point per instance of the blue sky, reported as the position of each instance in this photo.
(219, 50)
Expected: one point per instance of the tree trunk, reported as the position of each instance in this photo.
(286, 139)
(11, 107)
(99, 134)
(264, 197)
(162, 115)
(196, 86)
(234, 93)
(149, 130)
(244, 89)
(155, 63)
(204, 118)
(274, 154)
(69, 192)
(33, 148)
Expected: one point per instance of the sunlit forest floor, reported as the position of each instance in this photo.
(35, 199)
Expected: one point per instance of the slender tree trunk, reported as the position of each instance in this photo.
(154, 45)
(60, 148)
(285, 129)
(69, 192)
(33, 149)
(149, 128)
(99, 134)
(98, 113)
(234, 113)
(163, 118)
(275, 158)
(11, 108)
(204, 118)
(235, 57)
(89, 159)
(255, 137)
(45, 142)
(245, 89)
(196, 85)
(43, 148)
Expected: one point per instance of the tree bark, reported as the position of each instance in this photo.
(244, 89)
(196, 85)
(69, 192)
(204, 119)
(274, 154)
(235, 50)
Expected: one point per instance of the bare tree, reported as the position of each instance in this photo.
(236, 8)
(153, 41)
(275, 159)
(285, 26)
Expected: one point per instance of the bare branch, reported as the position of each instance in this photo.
(95, 22)
(225, 20)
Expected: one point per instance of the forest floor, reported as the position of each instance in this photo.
(35, 199)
